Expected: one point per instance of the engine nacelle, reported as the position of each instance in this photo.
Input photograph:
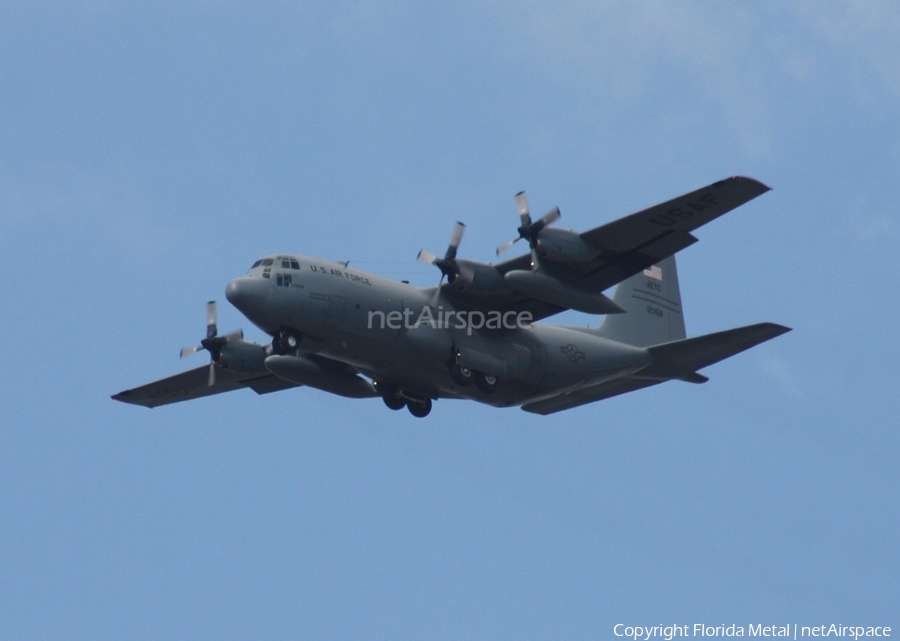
(321, 375)
(564, 246)
(556, 292)
(242, 356)
(479, 279)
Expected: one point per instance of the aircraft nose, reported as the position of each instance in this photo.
(249, 295)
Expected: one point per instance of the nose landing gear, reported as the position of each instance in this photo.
(286, 341)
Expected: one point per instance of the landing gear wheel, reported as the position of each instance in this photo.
(286, 342)
(419, 409)
(462, 376)
(486, 382)
(393, 400)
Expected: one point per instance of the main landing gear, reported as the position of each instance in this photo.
(397, 400)
(486, 383)
(464, 376)
(461, 375)
(419, 408)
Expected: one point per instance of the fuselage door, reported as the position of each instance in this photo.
(334, 312)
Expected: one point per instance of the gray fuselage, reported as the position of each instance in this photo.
(406, 336)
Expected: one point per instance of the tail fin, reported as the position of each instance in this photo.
(652, 303)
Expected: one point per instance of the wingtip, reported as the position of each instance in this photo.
(124, 397)
(774, 330)
(781, 329)
(763, 187)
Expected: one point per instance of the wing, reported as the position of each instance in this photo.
(631, 244)
(194, 384)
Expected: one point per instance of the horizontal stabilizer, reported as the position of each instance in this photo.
(681, 359)
(587, 395)
(678, 360)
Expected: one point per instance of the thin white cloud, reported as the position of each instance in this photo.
(68, 204)
(359, 21)
(739, 58)
(780, 372)
(871, 228)
(622, 51)
(864, 32)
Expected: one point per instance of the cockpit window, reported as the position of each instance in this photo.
(282, 262)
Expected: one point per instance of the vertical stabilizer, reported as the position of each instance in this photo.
(652, 303)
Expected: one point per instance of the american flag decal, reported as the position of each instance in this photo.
(654, 272)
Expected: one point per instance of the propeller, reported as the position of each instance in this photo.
(529, 230)
(447, 264)
(213, 343)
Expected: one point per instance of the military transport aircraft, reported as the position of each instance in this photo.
(477, 336)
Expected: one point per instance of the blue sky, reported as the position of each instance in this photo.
(150, 152)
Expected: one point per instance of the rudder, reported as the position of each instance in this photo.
(652, 303)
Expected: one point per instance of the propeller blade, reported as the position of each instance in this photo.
(189, 351)
(211, 315)
(502, 248)
(447, 264)
(455, 239)
(213, 343)
(550, 216)
(427, 257)
(522, 205)
(527, 229)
